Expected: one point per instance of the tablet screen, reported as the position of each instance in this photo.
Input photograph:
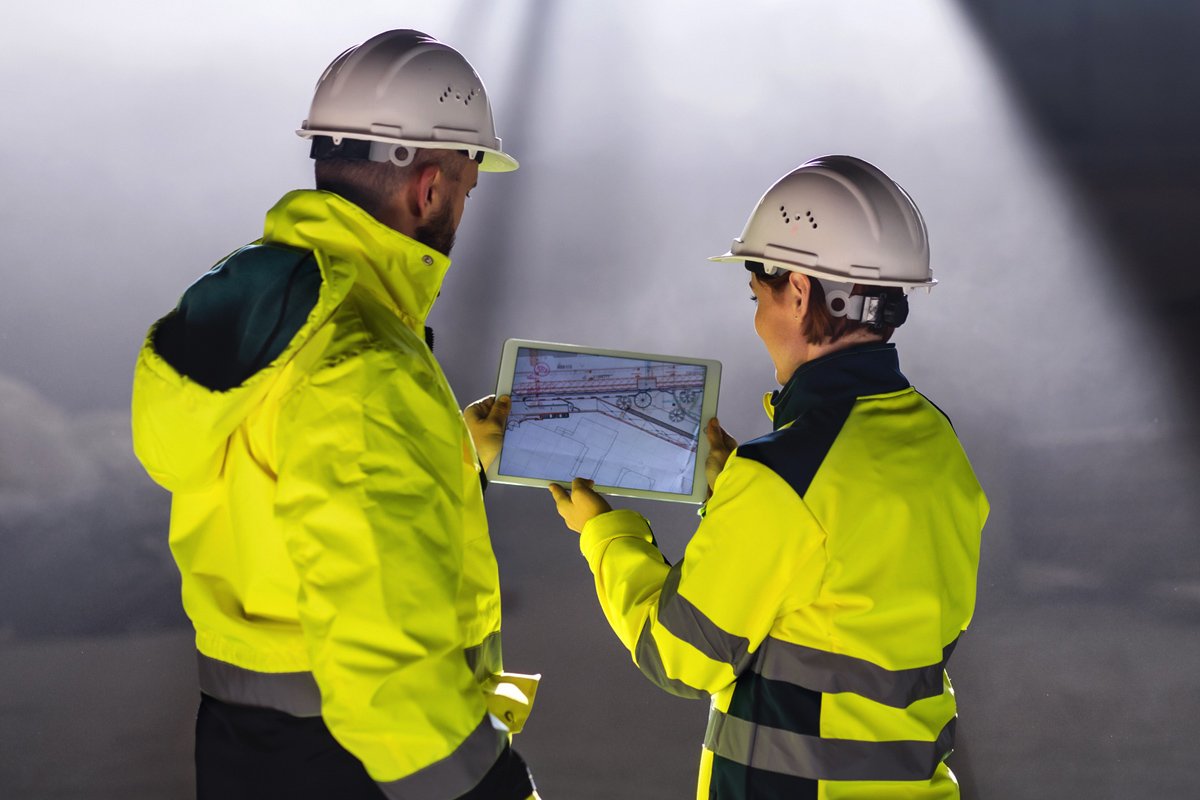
(624, 422)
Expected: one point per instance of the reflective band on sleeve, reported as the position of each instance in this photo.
(294, 693)
(833, 673)
(816, 758)
(814, 669)
(457, 773)
(680, 617)
(485, 658)
(649, 661)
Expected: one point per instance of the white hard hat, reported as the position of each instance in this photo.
(405, 88)
(839, 219)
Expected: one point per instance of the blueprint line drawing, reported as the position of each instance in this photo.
(622, 422)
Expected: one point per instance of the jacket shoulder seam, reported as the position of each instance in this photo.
(796, 453)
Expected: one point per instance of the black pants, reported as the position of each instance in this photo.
(245, 753)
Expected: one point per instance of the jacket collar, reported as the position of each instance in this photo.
(859, 371)
(400, 272)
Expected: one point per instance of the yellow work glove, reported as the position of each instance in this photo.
(509, 697)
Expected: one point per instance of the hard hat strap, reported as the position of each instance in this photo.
(327, 147)
(381, 152)
(875, 310)
(396, 154)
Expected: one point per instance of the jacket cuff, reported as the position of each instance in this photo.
(457, 773)
(600, 530)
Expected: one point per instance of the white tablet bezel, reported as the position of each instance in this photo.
(708, 409)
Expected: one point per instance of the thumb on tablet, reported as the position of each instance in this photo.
(721, 444)
(498, 412)
(579, 504)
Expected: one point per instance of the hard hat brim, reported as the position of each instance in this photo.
(493, 160)
(819, 272)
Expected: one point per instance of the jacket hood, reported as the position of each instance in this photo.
(181, 426)
(400, 272)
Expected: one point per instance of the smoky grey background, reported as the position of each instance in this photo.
(1054, 149)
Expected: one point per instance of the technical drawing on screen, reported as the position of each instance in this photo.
(630, 422)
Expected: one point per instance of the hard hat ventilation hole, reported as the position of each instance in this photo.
(788, 220)
(459, 96)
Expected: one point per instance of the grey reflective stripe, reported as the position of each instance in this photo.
(778, 660)
(817, 758)
(457, 773)
(485, 658)
(294, 693)
(649, 661)
(677, 614)
(831, 673)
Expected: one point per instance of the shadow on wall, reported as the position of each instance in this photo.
(1107, 515)
(1112, 87)
(83, 529)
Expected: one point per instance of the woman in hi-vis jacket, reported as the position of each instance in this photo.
(834, 568)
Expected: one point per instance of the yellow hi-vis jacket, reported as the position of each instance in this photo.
(327, 514)
(821, 596)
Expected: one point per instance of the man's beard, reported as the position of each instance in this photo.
(438, 233)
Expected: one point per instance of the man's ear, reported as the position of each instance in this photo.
(427, 187)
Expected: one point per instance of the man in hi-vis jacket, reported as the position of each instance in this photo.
(327, 513)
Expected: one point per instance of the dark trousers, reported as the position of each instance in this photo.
(245, 753)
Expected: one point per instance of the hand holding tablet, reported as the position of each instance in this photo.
(630, 422)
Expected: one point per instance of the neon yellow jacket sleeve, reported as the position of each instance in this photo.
(692, 627)
(369, 493)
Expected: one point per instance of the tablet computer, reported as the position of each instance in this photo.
(631, 422)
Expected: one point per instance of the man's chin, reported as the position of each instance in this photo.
(438, 234)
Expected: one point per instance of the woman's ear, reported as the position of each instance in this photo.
(800, 286)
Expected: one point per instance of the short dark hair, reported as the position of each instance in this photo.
(371, 184)
(821, 325)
